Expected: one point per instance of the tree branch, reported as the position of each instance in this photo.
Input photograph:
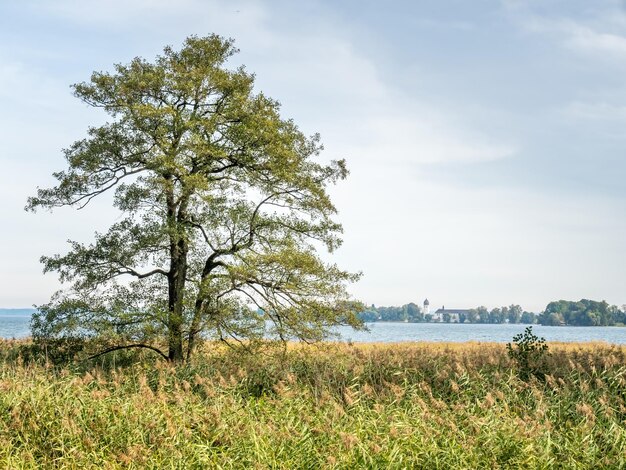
(138, 275)
(129, 346)
(111, 183)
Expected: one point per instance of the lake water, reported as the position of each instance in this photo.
(389, 332)
(14, 325)
(17, 326)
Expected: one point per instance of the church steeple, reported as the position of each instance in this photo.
(426, 307)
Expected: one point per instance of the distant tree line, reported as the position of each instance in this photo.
(410, 312)
(582, 313)
(563, 312)
(510, 314)
(413, 313)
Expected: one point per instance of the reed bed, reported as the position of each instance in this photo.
(420, 405)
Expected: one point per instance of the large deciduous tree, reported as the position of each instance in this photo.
(224, 209)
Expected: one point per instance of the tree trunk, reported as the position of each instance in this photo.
(176, 287)
(177, 273)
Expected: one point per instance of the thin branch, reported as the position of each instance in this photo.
(113, 181)
(138, 275)
(128, 346)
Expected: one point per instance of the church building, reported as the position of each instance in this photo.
(442, 314)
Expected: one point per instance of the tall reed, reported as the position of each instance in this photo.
(326, 406)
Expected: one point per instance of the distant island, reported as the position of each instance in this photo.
(558, 313)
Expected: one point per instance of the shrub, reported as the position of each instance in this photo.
(529, 353)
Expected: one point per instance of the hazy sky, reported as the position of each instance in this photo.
(486, 139)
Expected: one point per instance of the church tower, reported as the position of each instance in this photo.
(426, 307)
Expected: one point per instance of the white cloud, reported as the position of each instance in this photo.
(599, 37)
(330, 86)
(587, 40)
(418, 137)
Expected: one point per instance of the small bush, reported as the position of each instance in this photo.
(529, 353)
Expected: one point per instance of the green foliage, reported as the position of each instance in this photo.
(514, 313)
(413, 313)
(528, 318)
(409, 312)
(483, 315)
(582, 313)
(223, 204)
(529, 353)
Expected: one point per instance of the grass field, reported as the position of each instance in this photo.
(325, 406)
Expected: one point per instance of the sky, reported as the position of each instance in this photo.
(485, 139)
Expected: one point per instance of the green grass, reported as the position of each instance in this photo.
(334, 406)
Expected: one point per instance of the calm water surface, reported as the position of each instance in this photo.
(389, 332)
(17, 326)
(14, 326)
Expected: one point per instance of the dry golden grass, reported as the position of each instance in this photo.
(424, 405)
